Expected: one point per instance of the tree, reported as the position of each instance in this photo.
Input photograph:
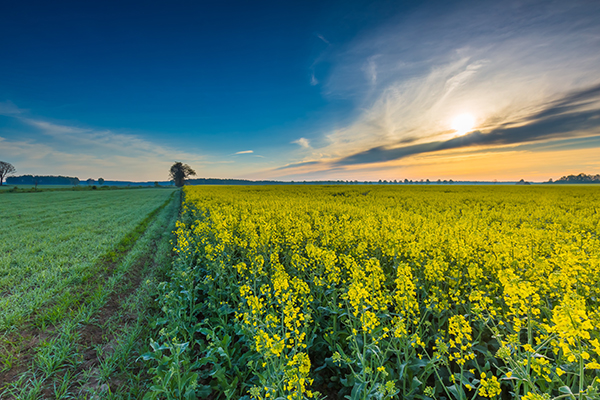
(179, 172)
(6, 169)
(89, 181)
(101, 181)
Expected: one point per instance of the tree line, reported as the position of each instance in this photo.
(581, 178)
(42, 180)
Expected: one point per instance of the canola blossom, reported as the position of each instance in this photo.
(462, 292)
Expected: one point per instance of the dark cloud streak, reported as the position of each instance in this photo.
(302, 164)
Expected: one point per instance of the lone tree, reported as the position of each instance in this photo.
(179, 172)
(5, 170)
(101, 181)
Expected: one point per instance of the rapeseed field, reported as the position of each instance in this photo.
(382, 292)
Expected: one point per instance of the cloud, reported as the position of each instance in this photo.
(100, 142)
(51, 148)
(8, 108)
(313, 80)
(303, 142)
(322, 38)
(371, 69)
(245, 152)
(568, 116)
(525, 70)
(568, 122)
(503, 63)
(301, 164)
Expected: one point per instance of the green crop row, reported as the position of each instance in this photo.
(77, 292)
(49, 241)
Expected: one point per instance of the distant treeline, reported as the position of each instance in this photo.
(220, 181)
(581, 178)
(42, 180)
(74, 181)
(129, 183)
(69, 180)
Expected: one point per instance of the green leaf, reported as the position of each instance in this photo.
(148, 356)
(357, 391)
(565, 389)
(415, 383)
(348, 381)
(417, 364)
(401, 371)
(181, 347)
(203, 391)
(452, 389)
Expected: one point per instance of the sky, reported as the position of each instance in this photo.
(301, 90)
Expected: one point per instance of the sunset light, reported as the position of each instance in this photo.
(369, 96)
(463, 123)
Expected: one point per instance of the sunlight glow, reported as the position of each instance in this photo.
(463, 123)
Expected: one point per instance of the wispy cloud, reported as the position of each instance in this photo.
(517, 67)
(370, 69)
(569, 122)
(303, 142)
(575, 114)
(313, 80)
(52, 148)
(105, 142)
(322, 38)
(526, 71)
(245, 152)
(297, 165)
(8, 108)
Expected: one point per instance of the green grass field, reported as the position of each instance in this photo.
(77, 272)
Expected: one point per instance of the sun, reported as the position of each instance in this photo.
(463, 123)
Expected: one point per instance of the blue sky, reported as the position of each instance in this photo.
(301, 90)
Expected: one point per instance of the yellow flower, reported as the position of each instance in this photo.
(489, 387)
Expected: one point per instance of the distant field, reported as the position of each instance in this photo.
(8, 187)
(62, 187)
(62, 255)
